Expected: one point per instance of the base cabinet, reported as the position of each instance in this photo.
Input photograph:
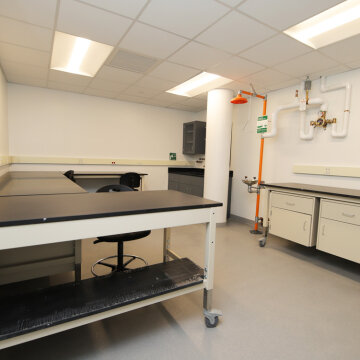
(339, 239)
(291, 225)
(339, 229)
(293, 217)
(314, 215)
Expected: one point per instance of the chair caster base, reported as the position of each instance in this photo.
(115, 268)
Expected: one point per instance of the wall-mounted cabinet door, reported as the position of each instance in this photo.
(291, 225)
(194, 134)
(340, 239)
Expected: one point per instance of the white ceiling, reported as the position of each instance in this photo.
(238, 39)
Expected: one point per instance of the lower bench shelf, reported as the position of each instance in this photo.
(59, 304)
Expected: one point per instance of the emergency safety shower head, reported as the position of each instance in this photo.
(239, 99)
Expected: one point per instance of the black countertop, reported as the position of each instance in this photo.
(191, 171)
(79, 174)
(353, 193)
(21, 183)
(21, 210)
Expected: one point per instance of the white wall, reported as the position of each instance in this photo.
(287, 149)
(51, 123)
(4, 145)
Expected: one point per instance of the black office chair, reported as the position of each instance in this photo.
(120, 266)
(70, 175)
(131, 179)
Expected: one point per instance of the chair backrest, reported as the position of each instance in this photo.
(114, 188)
(130, 179)
(70, 175)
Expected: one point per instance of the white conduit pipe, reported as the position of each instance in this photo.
(335, 132)
(274, 117)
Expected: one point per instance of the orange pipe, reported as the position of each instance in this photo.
(260, 170)
(252, 94)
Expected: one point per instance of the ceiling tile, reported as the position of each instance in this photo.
(198, 56)
(181, 107)
(156, 83)
(193, 102)
(107, 85)
(235, 68)
(130, 8)
(282, 14)
(275, 50)
(225, 33)
(67, 78)
(232, 3)
(354, 65)
(26, 80)
(284, 84)
(117, 75)
(267, 77)
(344, 51)
(157, 102)
(326, 72)
(20, 33)
(23, 55)
(186, 17)
(65, 87)
(101, 93)
(306, 64)
(91, 23)
(174, 72)
(130, 98)
(169, 98)
(203, 96)
(37, 12)
(149, 41)
(14, 70)
(237, 86)
(141, 91)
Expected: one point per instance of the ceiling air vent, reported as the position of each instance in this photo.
(132, 62)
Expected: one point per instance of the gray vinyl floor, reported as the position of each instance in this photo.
(283, 301)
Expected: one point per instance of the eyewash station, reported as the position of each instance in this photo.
(326, 217)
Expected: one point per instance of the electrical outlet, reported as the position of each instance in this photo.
(327, 171)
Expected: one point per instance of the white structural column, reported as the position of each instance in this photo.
(217, 153)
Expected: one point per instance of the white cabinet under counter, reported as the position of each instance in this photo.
(313, 215)
(292, 217)
(339, 229)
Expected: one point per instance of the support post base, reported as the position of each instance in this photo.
(255, 232)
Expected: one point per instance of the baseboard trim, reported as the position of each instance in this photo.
(242, 219)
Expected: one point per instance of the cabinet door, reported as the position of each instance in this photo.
(291, 225)
(340, 239)
(188, 138)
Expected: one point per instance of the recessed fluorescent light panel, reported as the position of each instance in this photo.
(337, 23)
(199, 84)
(77, 55)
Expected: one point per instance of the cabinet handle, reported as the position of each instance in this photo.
(290, 204)
(304, 226)
(348, 215)
(323, 230)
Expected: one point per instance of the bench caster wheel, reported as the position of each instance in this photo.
(211, 323)
(262, 242)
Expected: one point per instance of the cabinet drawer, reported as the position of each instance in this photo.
(340, 211)
(291, 202)
(339, 239)
(291, 225)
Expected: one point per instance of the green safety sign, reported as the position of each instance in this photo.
(172, 156)
(262, 124)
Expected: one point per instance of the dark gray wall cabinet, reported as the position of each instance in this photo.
(194, 134)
